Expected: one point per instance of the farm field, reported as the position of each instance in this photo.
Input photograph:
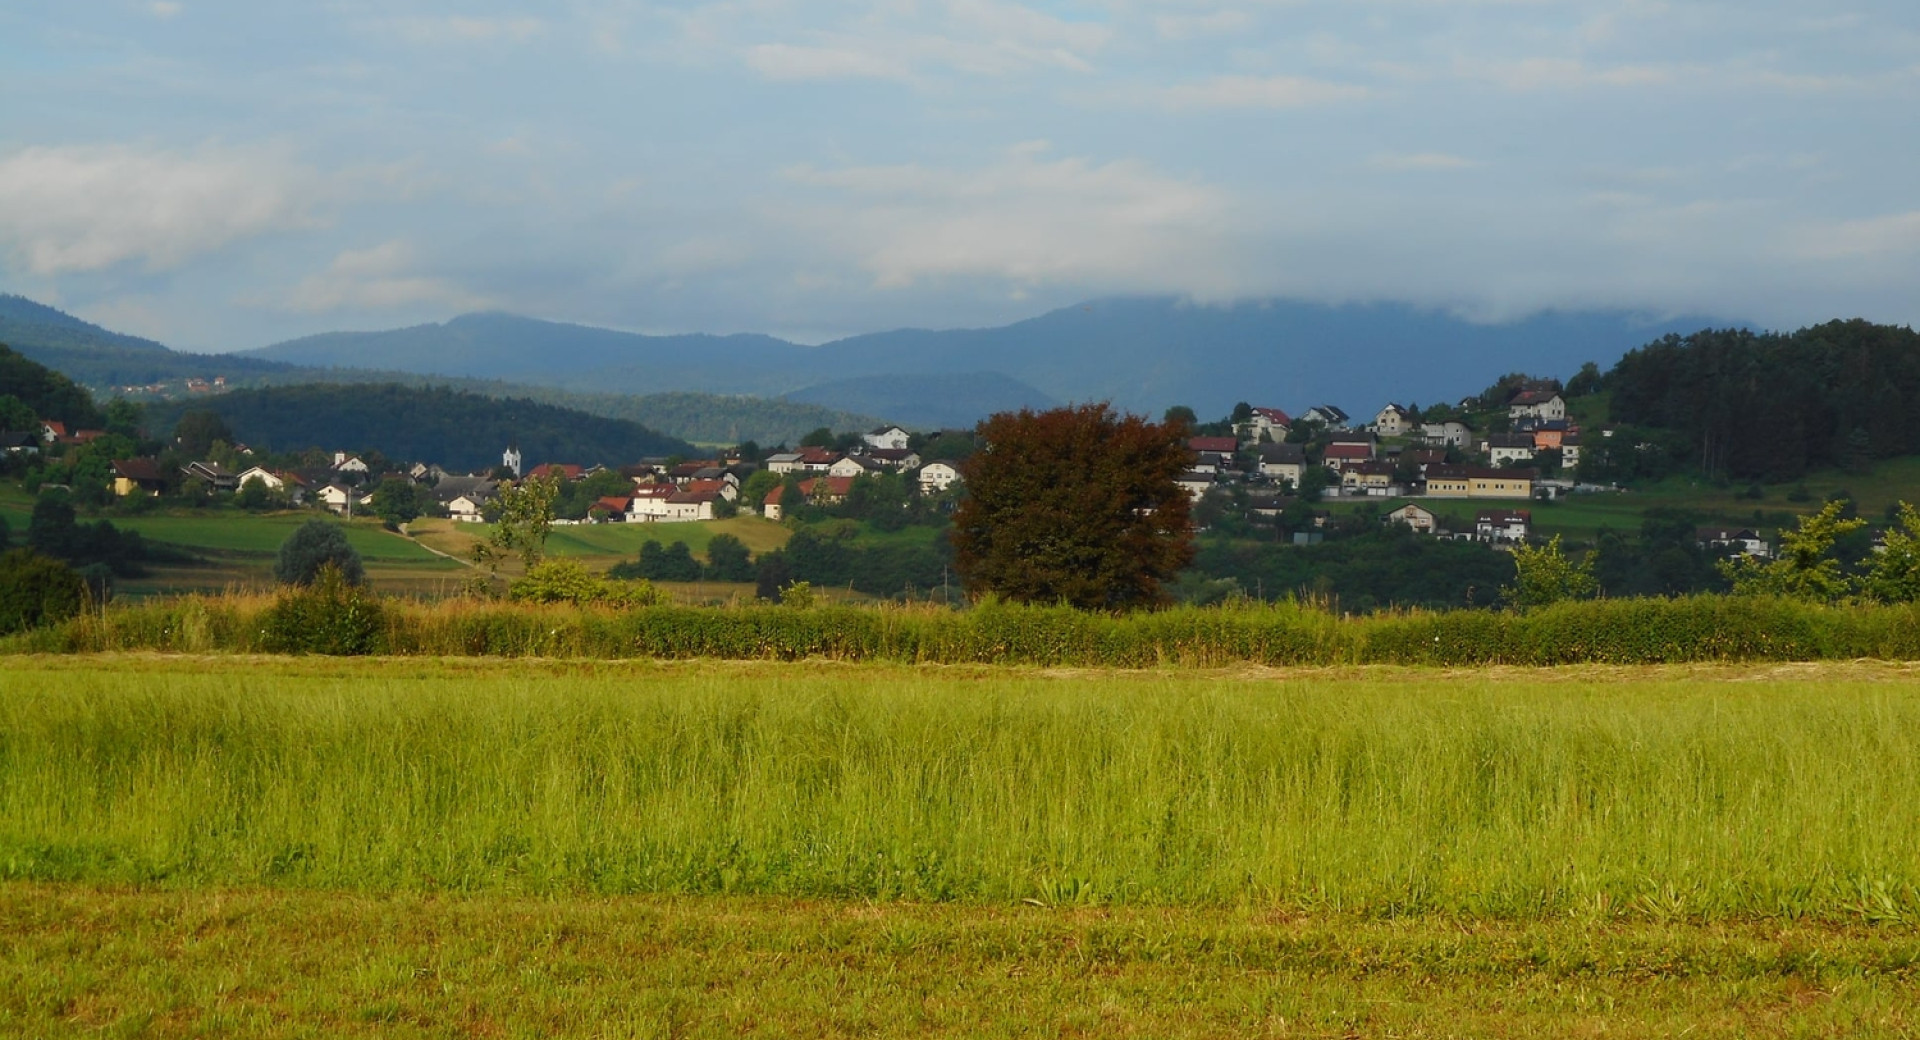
(302, 847)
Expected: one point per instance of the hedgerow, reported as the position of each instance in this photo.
(1626, 631)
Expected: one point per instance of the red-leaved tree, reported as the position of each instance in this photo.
(1074, 505)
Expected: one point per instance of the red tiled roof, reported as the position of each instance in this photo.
(1220, 445)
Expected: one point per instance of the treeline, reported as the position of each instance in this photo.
(462, 431)
(1388, 566)
(1637, 631)
(1772, 406)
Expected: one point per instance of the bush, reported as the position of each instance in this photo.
(566, 581)
(311, 548)
(36, 590)
(329, 615)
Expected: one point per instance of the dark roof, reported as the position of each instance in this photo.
(1510, 440)
(142, 470)
(1533, 397)
(1214, 445)
(1282, 453)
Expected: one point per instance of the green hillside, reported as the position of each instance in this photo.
(454, 429)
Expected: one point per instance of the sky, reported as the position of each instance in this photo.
(222, 175)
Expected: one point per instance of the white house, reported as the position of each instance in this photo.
(1744, 540)
(890, 437)
(1449, 434)
(1502, 526)
(1195, 483)
(337, 497)
(785, 462)
(1393, 421)
(1413, 515)
(1329, 416)
(1265, 425)
(1286, 462)
(854, 466)
(1510, 447)
(1537, 404)
(936, 477)
(345, 463)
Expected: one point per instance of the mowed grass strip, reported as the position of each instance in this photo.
(1701, 794)
(80, 961)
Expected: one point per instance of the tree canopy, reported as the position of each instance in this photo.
(313, 546)
(1075, 505)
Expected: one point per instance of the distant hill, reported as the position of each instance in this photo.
(928, 402)
(1142, 353)
(104, 359)
(97, 357)
(49, 394)
(459, 430)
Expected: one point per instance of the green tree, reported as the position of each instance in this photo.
(198, 429)
(16, 415)
(524, 518)
(253, 494)
(1586, 382)
(1894, 576)
(728, 560)
(821, 437)
(36, 590)
(1543, 575)
(1075, 505)
(1181, 414)
(1806, 567)
(313, 546)
(395, 501)
(753, 493)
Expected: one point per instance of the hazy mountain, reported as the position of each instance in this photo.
(103, 359)
(1142, 353)
(928, 402)
(455, 429)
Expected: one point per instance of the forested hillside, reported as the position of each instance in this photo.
(457, 430)
(48, 394)
(1773, 406)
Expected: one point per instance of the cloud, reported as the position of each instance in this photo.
(1421, 161)
(1258, 92)
(1883, 236)
(379, 278)
(902, 42)
(461, 29)
(164, 9)
(1536, 74)
(1024, 218)
(779, 61)
(87, 208)
(1191, 26)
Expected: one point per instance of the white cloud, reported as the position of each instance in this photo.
(1419, 161)
(780, 61)
(903, 42)
(379, 278)
(1025, 219)
(1882, 236)
(1535, 74)
(1259, 92)
(1191, 26)
(462, 29)
(71, 209)
(164, 9)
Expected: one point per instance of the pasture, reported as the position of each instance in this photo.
(298, 847)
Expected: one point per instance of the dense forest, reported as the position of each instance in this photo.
(46, 393)
(1771, 406)
(458, 430)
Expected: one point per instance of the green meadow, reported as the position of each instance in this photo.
(1707, 794)
(280, 847)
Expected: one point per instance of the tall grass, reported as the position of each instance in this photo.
(1633, 631)
(1411, 792)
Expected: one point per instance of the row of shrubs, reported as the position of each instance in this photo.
(335, 618)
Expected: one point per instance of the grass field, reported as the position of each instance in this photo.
(296, 847)
(1709, 793)
(84, 961)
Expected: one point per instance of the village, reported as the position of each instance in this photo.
(1266, 464)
